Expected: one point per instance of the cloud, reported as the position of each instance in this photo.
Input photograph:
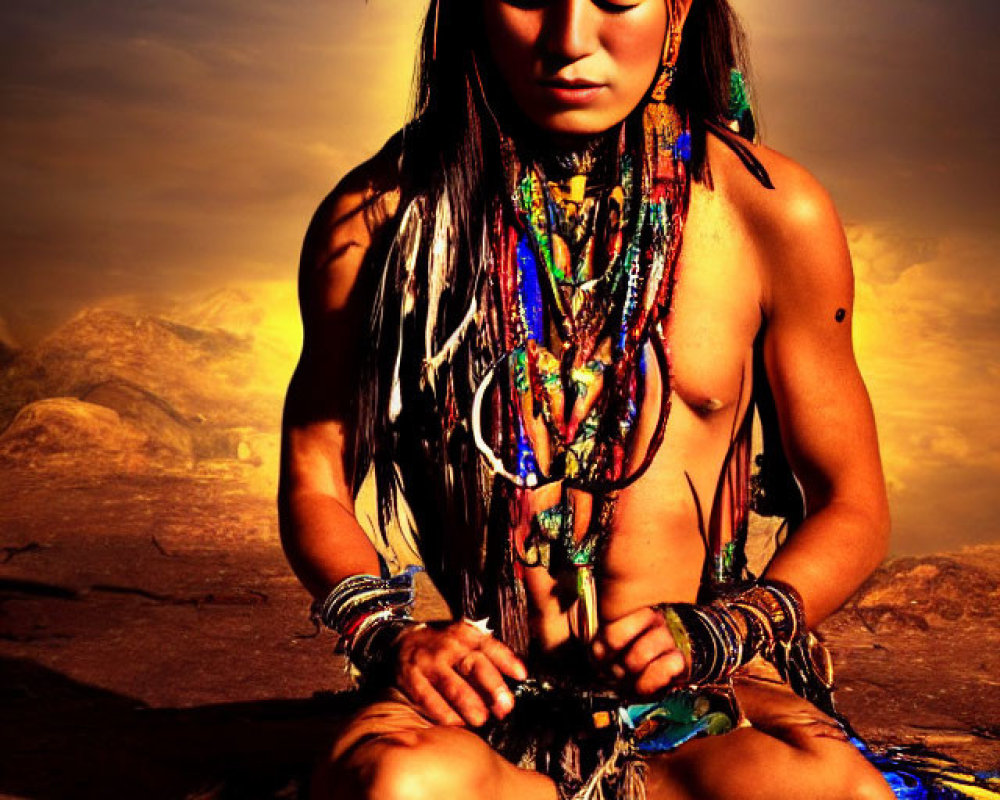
(927, 332)
(168, 147)
(152, 147)
(887, 102)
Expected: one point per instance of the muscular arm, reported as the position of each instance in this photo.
(319, 532)
(826, 421)
(453, 672)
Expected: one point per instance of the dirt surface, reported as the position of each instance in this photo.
(154, 644)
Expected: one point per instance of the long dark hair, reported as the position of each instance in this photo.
(446, 148)
(450, 150)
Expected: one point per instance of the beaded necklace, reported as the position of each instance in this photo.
(587, 282)
(510, 402)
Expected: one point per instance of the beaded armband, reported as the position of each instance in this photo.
(368, 613)
(718, 638)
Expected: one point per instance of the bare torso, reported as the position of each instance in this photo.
(655, 552)
(752, 261)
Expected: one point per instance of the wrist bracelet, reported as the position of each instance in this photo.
(774, 613)
(718, 638)
(368, 613)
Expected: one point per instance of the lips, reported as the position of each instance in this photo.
(571, 92)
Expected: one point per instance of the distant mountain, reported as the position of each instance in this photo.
(200, 377)
(264, 312)
(918, 592)
(236, 309)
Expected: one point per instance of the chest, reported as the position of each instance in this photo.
(717, 307)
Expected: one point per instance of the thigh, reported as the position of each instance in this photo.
(773, 708)
(389, 749)
(787, 749)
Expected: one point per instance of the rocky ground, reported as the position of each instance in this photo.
(918, 655)
(153, 643)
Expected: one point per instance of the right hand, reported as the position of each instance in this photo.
(638, 651)
(455, 673)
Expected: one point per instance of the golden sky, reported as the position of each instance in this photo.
(165, 147)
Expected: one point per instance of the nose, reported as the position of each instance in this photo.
(570, 30)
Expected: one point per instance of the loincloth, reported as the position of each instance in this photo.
(593, 745)
(590, 743)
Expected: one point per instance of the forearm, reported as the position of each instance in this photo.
(323, 541)
(831, 554)
(821, 566)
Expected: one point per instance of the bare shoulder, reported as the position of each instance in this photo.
(795, 229)
(336, 283)
(344, 228)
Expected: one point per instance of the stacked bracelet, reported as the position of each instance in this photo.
(369, 614)
(718, 638)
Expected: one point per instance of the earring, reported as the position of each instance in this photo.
(668, 66)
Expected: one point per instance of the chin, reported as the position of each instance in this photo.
(577, 122)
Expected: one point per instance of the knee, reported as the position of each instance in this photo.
(864, 782)
(420, 765)
(838, 764)
(425, 769)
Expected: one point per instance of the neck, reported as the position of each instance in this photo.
(564, 157)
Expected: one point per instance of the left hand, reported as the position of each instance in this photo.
(638, 652)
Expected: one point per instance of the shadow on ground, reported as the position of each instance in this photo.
(64, 739)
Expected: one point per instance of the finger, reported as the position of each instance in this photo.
(418, 688)
(660, 673)
(468, 635)
(652, 643)
(461, 696)
(504, 659)
(486, 679)
(617, 635)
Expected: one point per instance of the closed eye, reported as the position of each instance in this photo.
(611, 6)
(526, 4)
(614, 6)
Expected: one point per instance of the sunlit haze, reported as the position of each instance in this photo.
(175, 148)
